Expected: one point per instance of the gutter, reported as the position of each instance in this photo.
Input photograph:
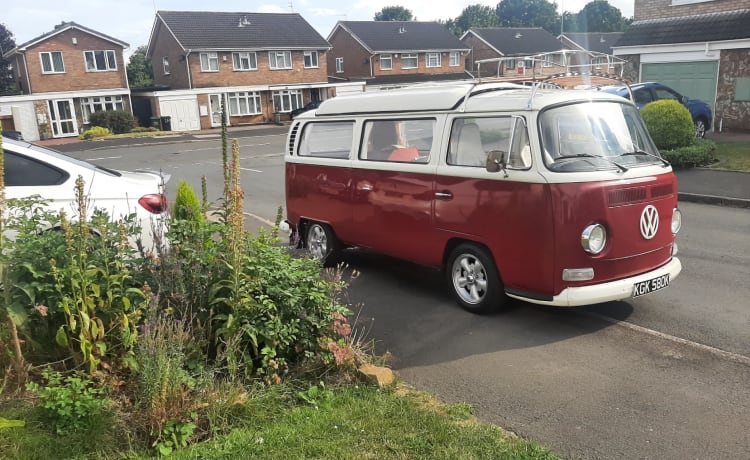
(187, 67)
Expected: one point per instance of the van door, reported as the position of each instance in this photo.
(392, 185)
(508, 212)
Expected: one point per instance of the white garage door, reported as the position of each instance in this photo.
(183, 112)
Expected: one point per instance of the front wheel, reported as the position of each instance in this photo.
(474, 279)
(700, 128)
(321, 242)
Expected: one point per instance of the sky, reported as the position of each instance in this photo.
(131, 20)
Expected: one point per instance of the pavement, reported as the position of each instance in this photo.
(701, 185)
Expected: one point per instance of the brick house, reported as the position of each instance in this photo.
(64, 76)
(261, 65)
(701, 48)
(388, 54)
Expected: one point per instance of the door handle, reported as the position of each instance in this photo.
(444, 195)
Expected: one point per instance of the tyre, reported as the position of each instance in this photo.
(474, 280)
(700, 128)
(321, 242)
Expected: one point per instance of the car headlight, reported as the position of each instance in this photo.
(594, 238)
(676, 221)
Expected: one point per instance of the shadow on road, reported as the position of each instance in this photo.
(408, 311)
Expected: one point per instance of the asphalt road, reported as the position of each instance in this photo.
(664, 376)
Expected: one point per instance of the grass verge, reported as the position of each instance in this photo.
(732, 155)
(350, 422)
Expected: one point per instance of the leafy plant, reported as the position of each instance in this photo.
(669, 123)
(118, 121)
(174, 435)
(701, 152)
(71, 402)
(316, 395)
(95, 131)
(186, 205)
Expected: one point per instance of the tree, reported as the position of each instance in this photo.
(529, 13)
(600, 16)
(7, 43)
(569, 22)
(476, 16)
(140, 73)
(394, 13)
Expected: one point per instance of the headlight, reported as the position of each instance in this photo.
(676, 221)
(593, 238)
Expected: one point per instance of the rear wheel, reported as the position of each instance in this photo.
(321, 242)
(700, 128)
(474, 279)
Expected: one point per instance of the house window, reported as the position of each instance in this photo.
(244, 61)
(165, 64)
(245, 103)
(52, 62)
(286, 101)
(339, 65)
(386, 62)
(209, 62)
(280, 59)
(90, 105)
(433, 60)
(455, 59)
(311, 59)
(100, 61)
(409, 61)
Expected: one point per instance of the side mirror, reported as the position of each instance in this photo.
(495, 161)
(684, 100)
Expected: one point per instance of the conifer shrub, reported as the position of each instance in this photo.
(186, 205)
(669, 123)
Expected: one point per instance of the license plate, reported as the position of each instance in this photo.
(652, 285)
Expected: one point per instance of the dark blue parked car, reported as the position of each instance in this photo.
(649, 92)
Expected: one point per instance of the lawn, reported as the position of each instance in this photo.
(732, 155)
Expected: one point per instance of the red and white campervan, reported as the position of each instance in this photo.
(556, 197)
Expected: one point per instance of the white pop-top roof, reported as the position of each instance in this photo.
(465, 96)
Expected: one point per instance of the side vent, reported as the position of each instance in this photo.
(662, 190)
(625, 196)
(293, 138)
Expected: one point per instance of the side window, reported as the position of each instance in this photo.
(642, 96)
(408, 141)
(21, 171)
(472, 138)
(665, 94)
(327, 140)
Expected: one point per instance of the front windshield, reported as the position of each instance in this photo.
(595, 136)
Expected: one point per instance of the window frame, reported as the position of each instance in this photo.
(387, 57)
(454, 55)
(313, 56)
(211, 56)
(247, 97)
(273, 60)
(375, 141)
(90, 104)
(339, 65)
(49, 55)
(165, 64)
(302, 152)
(250, 56)
(107, 61)
(290, 97)
(431, 55)
(410, 56)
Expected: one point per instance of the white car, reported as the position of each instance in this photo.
(35, 170)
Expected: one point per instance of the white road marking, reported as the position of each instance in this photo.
(103, 158)
(713, 350)
(261, 219)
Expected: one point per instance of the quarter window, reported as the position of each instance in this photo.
(409, 61)
(100, 61)
(327, 140)
(286, 101)
(52, 62)
(311, 59)
(433, 60)
(386, 62)
(399, 140)
(21, 171)
(280, 59)
(244, 103)
(209, 62)
(244, 61)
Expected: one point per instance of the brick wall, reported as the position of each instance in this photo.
(75, 77)
(479, 51)
(735, 114)
(421, 69)
(356, 58)
(166, 46)
(658, 9)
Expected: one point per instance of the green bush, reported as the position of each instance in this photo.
(95, 131)
(118, 121)
(669, 123)
(186, 205)
(700, 153)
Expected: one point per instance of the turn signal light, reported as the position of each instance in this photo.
(154, 203)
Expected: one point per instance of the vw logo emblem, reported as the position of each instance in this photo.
(649, 222)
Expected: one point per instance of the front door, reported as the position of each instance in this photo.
(214, 102)
(63, 118)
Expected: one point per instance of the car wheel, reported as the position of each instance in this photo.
(700, 128)
(474, 279)
(321, 242)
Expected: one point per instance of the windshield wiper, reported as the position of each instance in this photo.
(589, 155)
(642, 152)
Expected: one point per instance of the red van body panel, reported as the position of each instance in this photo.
(320, 192)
